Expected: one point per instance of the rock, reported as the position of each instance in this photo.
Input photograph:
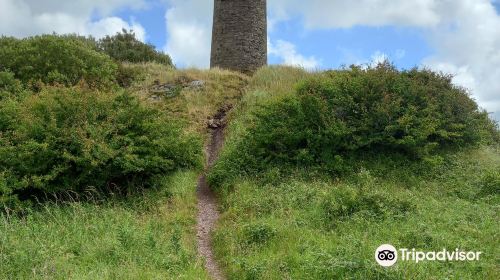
(171, 90)
(163, 88)
(196, 84)
(154, 98)
(167, 90)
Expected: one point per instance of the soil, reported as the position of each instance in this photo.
(207, 201)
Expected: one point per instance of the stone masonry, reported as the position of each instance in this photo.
(239, 35)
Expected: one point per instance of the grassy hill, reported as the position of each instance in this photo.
(293, 221)
(98, 172)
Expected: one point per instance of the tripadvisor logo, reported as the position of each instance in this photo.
(387, 255)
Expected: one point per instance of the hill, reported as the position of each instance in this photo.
(98, 173)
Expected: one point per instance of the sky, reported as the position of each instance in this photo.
(459, 37)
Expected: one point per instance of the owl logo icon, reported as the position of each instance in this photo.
(386, 255)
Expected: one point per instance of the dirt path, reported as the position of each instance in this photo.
(207, 202)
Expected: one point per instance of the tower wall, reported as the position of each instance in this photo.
(239, 35)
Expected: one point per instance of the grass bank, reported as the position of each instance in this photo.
(287, 225)
(295, 221)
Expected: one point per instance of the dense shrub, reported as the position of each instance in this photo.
(124, 47)
(9, 85)
(54, 59)
(69, 140)
(340, 113)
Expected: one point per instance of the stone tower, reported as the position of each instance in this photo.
(239, 35)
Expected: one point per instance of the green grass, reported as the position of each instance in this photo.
(285, 226)
(146, 236)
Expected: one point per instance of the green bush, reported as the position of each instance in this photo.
(124, 47)
(340, 113)
(68, 140)
(54, 59)
(9, 85)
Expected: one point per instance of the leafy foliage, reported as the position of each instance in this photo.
(54, 59)
(340, 113)
(9, 85)
(125, 47)
(258, 233)
(69, 139)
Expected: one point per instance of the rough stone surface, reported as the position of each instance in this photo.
(154, 98)
(159, 90)
(196, 84)
(239, 35)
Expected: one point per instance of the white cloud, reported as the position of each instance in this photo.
(111, 25)
(378, 57)
(189, 29)
(287, 52)
(348, 13)
(467, 45)
(22, 18)
(80, 7)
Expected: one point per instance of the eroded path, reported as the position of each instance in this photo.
(207, 201)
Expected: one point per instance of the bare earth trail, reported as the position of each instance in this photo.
(207, 201)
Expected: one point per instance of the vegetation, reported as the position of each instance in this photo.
(53, 59)
(101, 144)
(71, 59)
(9, 85)
(68, 140)
(101, 183)
(125, 47)
(148, 235)
(335, 115)
(424, 183)
(291, 224)
(190, 104)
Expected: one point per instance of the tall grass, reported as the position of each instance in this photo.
(288, 224)
(150, 236)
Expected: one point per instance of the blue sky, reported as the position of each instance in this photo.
(152, 18)
(461, 37)
(404, 46)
